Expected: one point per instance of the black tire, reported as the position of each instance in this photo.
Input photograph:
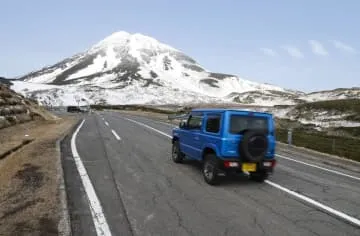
(176, 154)
(259, 176)
(253, 146)
(210, 169)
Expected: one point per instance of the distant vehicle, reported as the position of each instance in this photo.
(81, 109)
(84, 109)
(227, 140)
(73, 109)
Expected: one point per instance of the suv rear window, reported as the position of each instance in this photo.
(241, 123)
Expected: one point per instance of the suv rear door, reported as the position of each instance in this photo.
(240, 122)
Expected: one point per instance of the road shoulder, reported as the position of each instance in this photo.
(80, 218)
(30, 180)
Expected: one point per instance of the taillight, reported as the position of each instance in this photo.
(228, 164)
(270, 163)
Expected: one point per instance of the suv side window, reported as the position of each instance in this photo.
(195, 121)
(213, 123)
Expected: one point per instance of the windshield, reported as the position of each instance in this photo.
(240, 124)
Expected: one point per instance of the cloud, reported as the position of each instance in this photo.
(268, 51)
(344, 47)
(317, 48)
(294, 51)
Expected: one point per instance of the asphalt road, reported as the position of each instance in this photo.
(142, 192)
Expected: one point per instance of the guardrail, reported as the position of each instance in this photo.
(177, 116)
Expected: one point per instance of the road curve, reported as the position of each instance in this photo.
(142, 192)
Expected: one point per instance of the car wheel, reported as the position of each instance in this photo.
(176, 155)
(210, 170)
(260, 176)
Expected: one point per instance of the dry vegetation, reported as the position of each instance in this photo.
(29, 161)
(29, 196)
(15, 109)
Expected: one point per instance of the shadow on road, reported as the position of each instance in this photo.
(231, 179)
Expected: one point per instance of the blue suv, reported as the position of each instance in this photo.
(227, 140)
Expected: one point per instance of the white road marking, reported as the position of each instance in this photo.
(157, 121)
(106, 123)
(319, 167)
(316, 204)
(101, 225)
(115, 134)
(295, 194)
(149, 127)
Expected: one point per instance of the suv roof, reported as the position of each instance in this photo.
(228, 109)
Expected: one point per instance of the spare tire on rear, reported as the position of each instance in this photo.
(253, 146)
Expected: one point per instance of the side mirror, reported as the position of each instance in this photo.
(182, 124)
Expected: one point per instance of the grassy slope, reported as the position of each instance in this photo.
(319, 141)
(303, 136)
(342, 105)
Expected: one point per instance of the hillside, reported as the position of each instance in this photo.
(16, 109)
(338, 117)
(341, 112)
(339, 93)
(5, 81)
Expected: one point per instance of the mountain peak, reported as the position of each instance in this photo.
(117, 36)
(134, 41)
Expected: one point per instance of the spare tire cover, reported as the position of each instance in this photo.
(253, 146)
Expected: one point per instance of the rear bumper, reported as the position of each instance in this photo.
(235, 165)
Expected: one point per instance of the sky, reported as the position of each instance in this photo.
(303, 45)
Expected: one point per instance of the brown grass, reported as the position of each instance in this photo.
(29, 197)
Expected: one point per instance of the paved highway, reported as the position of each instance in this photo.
(135, 189)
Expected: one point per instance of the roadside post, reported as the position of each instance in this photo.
(290, 136)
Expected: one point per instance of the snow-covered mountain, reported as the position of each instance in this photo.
(129, 68)
(339, 93)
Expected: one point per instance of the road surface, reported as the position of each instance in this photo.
(131, 187)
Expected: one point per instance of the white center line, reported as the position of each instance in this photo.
(149, 127)
(319, 167)
(317, 204)
(106, 123)
(115, 134)
(99, 219)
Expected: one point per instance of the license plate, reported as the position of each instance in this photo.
(249, 167)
